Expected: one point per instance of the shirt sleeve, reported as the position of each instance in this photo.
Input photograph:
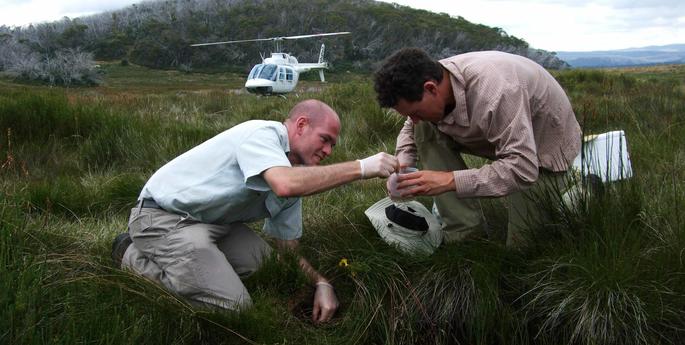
(286, 224)
(261, 150)
(405, 149)
(506, 124)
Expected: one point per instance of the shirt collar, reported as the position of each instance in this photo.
(284, 134)
(460, 114)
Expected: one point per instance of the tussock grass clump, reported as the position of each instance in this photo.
(88, 196)
(459, 299)
(602, 281)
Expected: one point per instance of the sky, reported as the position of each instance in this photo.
(553, 25)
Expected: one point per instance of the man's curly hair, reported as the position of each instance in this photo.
(402, 76)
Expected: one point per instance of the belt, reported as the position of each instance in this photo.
(148, 203)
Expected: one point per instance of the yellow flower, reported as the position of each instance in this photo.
(343, 262)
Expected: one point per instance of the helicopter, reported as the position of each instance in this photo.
(279, 73)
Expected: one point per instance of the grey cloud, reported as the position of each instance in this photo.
(630, 14)
(661, 16)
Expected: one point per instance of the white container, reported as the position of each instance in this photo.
(392, 184)
(605, 155)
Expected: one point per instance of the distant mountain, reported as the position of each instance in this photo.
(652, 55)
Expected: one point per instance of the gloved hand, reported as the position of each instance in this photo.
(379, 165)
(325, 303)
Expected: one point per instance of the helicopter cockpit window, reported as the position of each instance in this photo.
(268, 72)
(263, 71)
(255, 71)
(288, 74)
(281, 73)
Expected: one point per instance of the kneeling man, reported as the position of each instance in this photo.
(188, 228)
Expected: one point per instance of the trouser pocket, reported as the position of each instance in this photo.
(149, 228)
(138, 221)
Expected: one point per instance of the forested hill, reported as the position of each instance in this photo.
(159, 33)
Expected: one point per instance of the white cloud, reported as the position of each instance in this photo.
(23, 12)
(574, 25)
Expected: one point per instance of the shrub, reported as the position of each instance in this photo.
(67, 67)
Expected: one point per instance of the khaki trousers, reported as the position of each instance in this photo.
(201, 262)
(463, 218)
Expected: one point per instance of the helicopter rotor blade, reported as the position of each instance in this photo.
(315, 35)
(229, 42)
(280, 38)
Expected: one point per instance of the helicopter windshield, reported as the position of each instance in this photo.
(263, 71)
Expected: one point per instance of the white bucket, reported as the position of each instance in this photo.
(392, 184)
(605, 155)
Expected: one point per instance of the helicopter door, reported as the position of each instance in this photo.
(279, 81)
(281, 76)
(289, 75)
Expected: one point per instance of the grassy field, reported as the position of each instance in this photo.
(72, 162)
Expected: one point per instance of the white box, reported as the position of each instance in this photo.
(605, 155)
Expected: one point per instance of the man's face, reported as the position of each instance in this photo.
(430, 108)
(315, 141)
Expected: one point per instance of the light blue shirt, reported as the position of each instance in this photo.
(220, 181)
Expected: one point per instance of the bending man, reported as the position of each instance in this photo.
(495, 105)
(188, 227)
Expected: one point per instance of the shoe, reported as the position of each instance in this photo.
(119, 246)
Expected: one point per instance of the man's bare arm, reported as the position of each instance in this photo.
(309, 271)
(307, 180)
(325, 302)
(302, 181)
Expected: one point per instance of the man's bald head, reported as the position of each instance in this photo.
(314, 110)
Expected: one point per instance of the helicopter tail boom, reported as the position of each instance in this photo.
(321, 65)
(306, 67)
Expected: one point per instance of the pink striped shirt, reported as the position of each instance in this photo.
(510, 110)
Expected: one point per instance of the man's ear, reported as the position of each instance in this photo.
(431, 86)
(301, 123)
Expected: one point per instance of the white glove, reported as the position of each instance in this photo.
(325, 303)
(379, 165)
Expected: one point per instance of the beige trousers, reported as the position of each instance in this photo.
(463, 218)
(201, 262)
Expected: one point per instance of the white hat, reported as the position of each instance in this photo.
(409, 226)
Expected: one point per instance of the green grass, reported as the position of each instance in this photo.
(72, 161)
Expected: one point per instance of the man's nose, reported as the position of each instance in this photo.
(327, 149)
